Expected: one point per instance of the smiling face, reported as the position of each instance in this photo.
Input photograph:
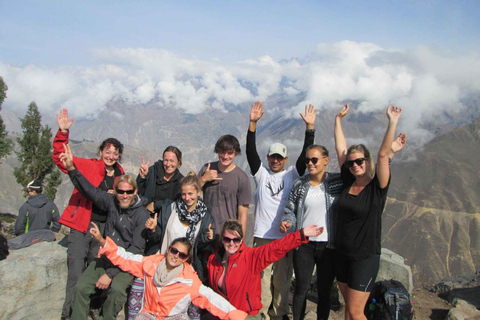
(124, 199)
(173, 259)
(225, 159)
(170, 163)
(318, 168)
(109, 155)
(190, 196)
(276, 162)
(355, 169)
(231, 247)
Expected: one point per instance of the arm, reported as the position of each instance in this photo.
(55, 227)
(289, 216)
(256, 112)
(127, 261)
(207, 299)
(61, 137)
(340, 141)
(383, 168)
(309, 119)
(242, 215)
(21, 220)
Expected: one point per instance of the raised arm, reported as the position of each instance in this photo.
(256, 112)
(383, 169)
(61, 137)
(309, 119)
(340, 141)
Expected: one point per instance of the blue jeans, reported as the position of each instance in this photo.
(304, 259)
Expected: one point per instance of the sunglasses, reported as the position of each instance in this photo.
(120, 191)
(314, 160)
(181, 255)
(228, 240)
(359, 162)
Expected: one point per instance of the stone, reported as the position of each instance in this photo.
(392, 266)
(462, 310)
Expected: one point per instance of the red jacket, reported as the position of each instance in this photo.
(242, 280)
(78, 213)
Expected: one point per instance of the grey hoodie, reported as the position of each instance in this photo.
(37, 213)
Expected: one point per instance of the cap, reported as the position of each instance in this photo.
(278, 148)
(34, 185)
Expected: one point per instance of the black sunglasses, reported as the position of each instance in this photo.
(359, 162)
(120, 191)
(181, 255)
(228, 240)
(314, 160)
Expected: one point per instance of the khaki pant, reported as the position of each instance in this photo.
(276, 286)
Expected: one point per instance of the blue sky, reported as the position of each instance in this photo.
(53, 33)
(197, 55)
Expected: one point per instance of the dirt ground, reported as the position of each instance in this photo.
(427, 305)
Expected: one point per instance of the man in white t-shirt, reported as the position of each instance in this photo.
(273, 186)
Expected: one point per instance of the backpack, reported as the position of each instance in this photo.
(3, 248)
(389, 300)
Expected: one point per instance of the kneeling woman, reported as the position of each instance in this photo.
(234, 270)
(171, 284)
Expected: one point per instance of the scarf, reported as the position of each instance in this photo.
(191, 217)
(162, 277)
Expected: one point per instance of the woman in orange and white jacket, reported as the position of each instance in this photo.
(171, 284)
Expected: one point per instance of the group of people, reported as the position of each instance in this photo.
(178, 241)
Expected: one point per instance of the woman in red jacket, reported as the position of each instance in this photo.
(80, 211)
(234, 270)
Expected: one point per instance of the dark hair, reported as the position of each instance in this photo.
(320, 148)
(233, 225)
(192, 180)
(227, 143)
(177, 153)
(112, 142)
(366, 154)
(185, 242)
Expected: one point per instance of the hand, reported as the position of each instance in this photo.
(399, 143)
(393, 113)
(312, 230)
(67, 158)
(310, 115)
(103, 282)
(210, 175)
(284, 226)
(210, 232)
(96, 234)
(62, 120)
(151, 223)
(144, 168)
(256, 112)
(151, 207)
(343, 112)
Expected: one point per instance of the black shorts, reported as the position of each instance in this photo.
(357, 274)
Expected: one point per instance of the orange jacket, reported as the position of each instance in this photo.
(175, 297)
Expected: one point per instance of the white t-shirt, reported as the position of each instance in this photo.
(270, 200)
(175, 229)
(315, 211)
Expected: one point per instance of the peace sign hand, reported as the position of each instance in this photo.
(143, 171)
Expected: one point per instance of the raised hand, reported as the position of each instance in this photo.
(399, 143)
(309, 116)
(343, 112)
(256, 112)
(63, 123)
(143, 171)
(151, 223)
(67, 158)
(210, 175)
(312, 230)
(96, 234)
(210, 232)
(394, 113)
(284, 226)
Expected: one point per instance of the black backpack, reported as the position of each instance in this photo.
(3, 248)
(389, 300)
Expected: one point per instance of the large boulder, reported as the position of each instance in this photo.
(392, 266)
(32, 282)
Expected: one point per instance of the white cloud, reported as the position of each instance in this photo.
(423, 82)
